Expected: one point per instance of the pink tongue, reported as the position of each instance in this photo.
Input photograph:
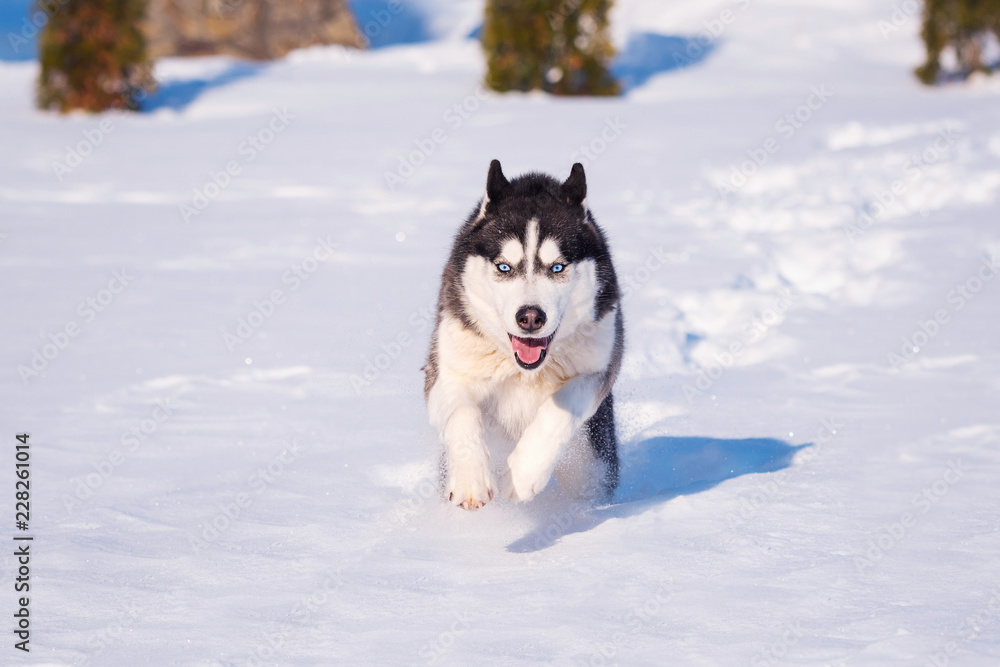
(528, 350)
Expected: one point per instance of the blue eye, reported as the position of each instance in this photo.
(503, 268)
(556, 268)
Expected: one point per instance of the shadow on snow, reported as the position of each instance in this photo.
(386, 23)
(177, 94)
(647, 54)
(657, 470)
(18, 34)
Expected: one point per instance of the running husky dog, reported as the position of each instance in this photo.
(527, 344)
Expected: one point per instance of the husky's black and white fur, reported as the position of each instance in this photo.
(528, 343)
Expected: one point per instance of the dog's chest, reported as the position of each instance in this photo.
(514, 403)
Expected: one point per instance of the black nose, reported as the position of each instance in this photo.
(531, 318)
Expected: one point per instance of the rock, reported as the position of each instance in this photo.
(256, 29)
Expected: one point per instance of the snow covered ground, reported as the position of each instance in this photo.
(228, 299)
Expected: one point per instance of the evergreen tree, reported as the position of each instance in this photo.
(963, 25)
(93, 55)
(559, 46)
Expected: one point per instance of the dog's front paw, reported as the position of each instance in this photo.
(523, 481)
(470, 487)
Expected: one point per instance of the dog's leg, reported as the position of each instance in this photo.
(589, 467)
(469, 483)
(559, 418)
(604, 443)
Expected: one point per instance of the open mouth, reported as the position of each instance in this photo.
(529, 352)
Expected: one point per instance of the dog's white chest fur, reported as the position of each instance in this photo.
(514, 403)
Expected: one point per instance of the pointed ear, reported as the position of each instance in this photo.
(574, 190)
(496, 182)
